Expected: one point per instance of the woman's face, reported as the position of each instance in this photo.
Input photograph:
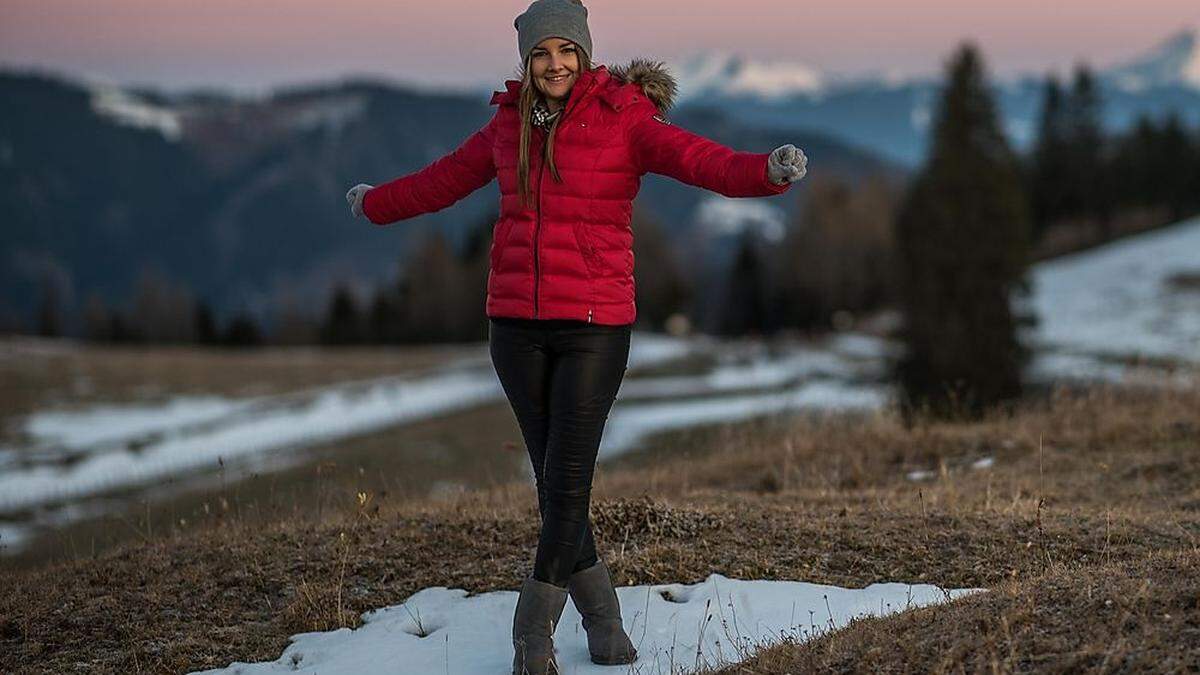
(554, 68)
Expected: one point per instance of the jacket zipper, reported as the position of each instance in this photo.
(538, 226)
(537, 274)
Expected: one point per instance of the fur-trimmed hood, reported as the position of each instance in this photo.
(652, 77)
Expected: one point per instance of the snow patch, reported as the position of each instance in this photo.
(647, 349)
(1118, 301)
(330, 113)
(676, 628)
(719, 216)
(123, 108)
(725, 73)
(109, 423)
(1176, 61)
(774, 80)
(629, 424)
(983, 463)
(14, 537)
(920, 117)
(758, 371)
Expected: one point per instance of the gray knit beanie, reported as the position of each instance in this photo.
(566, 19)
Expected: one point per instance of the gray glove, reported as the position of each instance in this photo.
(355, 198)
(786, 164)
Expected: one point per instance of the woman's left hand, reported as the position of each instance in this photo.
(354, 197)
(786, 164)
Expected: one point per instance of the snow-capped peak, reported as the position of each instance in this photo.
(726, 73)
(719, 216)
(1175, 61)
(125, 108)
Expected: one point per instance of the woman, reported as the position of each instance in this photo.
(569, 143)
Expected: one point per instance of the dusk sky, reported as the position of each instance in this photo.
(256, 44)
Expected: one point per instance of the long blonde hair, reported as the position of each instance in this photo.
(529, 96)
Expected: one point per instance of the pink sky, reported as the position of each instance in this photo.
(249, 44)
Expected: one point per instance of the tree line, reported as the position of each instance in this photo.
(1087, 187)
(436, 295)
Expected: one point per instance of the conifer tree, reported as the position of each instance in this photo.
(1051, 168)
(205, 323)
(1088, 196)
(962, 236)
(242, 331)
(1171, 168)
(49, 315)
(661, 289)
(445, 299)
(343, 322)
(384, 324)
(745, 308)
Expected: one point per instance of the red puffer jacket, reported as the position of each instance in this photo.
(570, 254)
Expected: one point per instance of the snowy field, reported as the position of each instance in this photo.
(1137, 298)
(75, 456)
(675, 628)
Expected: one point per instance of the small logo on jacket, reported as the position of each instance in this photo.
(662, 119)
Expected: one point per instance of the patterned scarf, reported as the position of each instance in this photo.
(542, 117)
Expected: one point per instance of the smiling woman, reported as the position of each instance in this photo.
(569, 143)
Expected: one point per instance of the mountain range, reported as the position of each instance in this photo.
(891, 115)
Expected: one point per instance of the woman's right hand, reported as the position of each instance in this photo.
(355, 198)
(786, 163)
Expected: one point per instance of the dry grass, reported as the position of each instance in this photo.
(1092, 498)
(36, 373)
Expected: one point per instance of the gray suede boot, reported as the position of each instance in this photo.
(594, 596)
(539, 607)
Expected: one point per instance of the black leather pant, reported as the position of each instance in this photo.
(561, 378)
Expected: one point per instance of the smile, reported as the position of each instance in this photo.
(560, 78)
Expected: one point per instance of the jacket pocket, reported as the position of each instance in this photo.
(591, 264)
(585, 249)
